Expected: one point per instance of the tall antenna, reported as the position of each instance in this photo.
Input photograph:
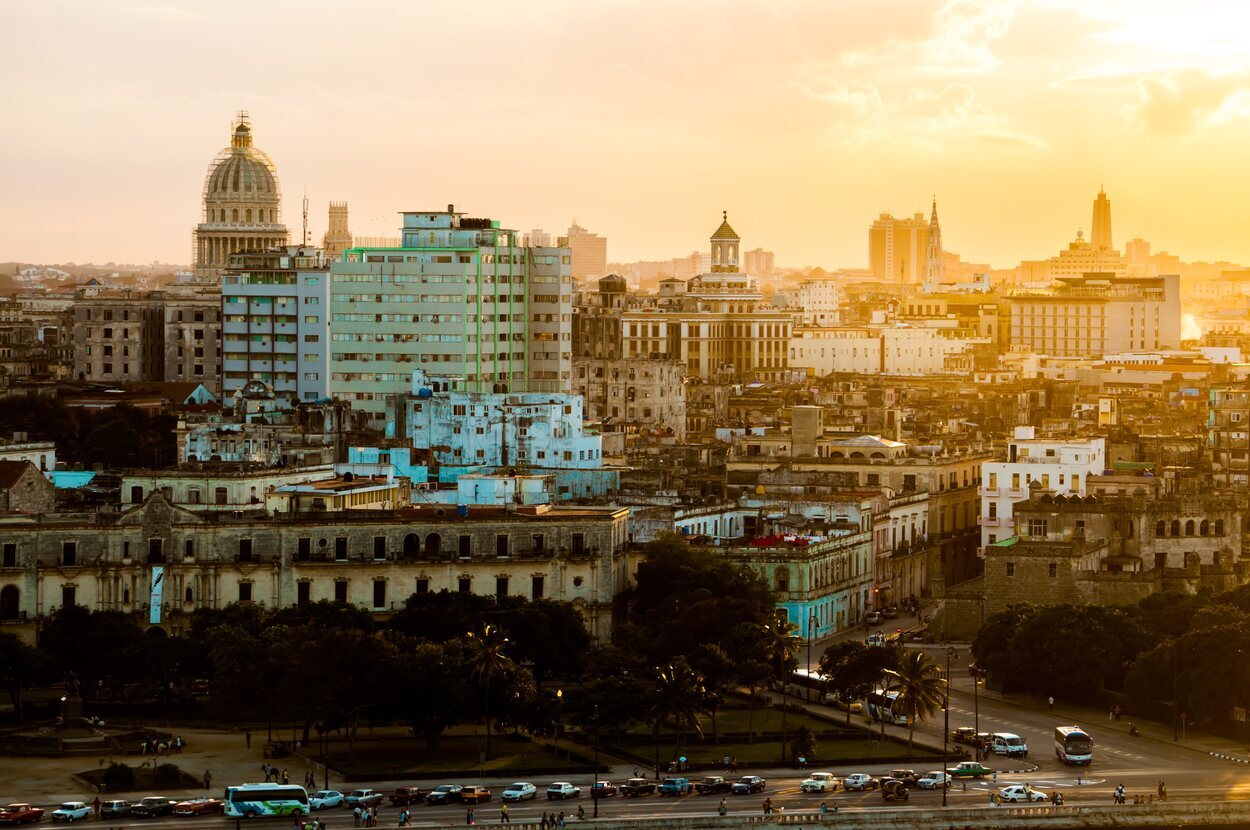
(305, 239)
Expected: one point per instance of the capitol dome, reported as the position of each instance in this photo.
(242, 204)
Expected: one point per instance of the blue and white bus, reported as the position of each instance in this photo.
(882, 705)
(1073, 745)
(255, 800)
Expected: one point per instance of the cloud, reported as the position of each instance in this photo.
(1180, 101)
(963, 31)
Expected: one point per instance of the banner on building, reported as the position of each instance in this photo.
(157, 595)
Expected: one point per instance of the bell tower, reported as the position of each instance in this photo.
(725, 247)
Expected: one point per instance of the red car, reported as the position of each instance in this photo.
(403, 796)
(20, 814)
(602, 789)
(198, 807)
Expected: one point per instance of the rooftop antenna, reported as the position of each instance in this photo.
(305, 239)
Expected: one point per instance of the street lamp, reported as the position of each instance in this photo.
(594, 792)
(978, 674)
(556, 724)
(951, 653)
(811, 623)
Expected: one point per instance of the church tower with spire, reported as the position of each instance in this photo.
(934, 269)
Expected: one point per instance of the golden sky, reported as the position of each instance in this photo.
(642, 119)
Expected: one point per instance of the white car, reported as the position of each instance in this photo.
(1021, 792)
(859, 781)
(562, 790)
(519, 791)
(322, 799)
(933, 780)
(71, 811)
(820, 782)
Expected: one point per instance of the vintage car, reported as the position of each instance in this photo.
(748, 784)
(198, 807)
(820, 782)
(636, 787)
(403, 796)
(712, 785)
(71, 811)
(20, 814)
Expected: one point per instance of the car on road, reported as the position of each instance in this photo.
(114, 808)
(636, 787)
(474, 795)
(969, 769)
(323, 799)
(890, 612)
(859, 781)
(933, 780)
(602, 789)
(907, 776)
(364, 797)
(1009, 744)
(443, 794)
(404, 796)
(713, 785)
(71, 811)
(820, 782)
(748, 784)
(20, 814)
(153, 806)
(563, 790)
(964, 735)
(520, 791)
(202, 806)
(873, 618)
(1021, 792)
(894, 790)
(674, 786)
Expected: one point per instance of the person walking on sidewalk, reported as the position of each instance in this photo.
(1050, 703)
(503, 815)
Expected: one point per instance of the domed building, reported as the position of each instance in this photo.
(242, 205)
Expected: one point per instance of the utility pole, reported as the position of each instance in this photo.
(595, 793)
(946, 724)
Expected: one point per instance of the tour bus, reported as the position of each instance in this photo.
(252, 800)
(881, 706)
(806, 684)
(1073, 745)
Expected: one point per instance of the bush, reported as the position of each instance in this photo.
(119, 777)
(167, 774)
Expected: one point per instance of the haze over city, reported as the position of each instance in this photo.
(805, 120)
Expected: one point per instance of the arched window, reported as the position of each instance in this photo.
(1219, 527)
(1204, 529)
(1161, 528)
(247, 214)
(189, 596)
(125, 596)
(10, 602)
(1189, 528)
(433, 544)
(412, 544)
(1176, 528)
(782, 577)
(188, 549)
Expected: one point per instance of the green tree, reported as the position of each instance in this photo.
(432, 689)
(754, 675)
(718, 673)
(20, 665)
(679, 696)
(804, 743)
(487, 661)
(920, 686)
(855, 668)
(92, 645)
(781, 647)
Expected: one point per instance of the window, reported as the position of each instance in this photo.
(464, 584)
(340, 549)
(303, 549)
(69, 595)
(379, 593)
(501, 587)
(1052, 570)
(781, 578)
(536, 587)
(69, 553)
(156, 554)
(379, 547)
(1161, 528)
(993, 510)
(340, 590)
(245, 550)
(501, 545)
(423, 586)
(538, 543)
(579, 544)
(1011, 569)
(303, 590)
(1037, 527)
(220, 496)
(245, 592)
(1189, 528)
(9, 558)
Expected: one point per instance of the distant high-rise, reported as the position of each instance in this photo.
(338, 237)
(1100, 233)
(898, 249)
(590, 252)
(934, 266)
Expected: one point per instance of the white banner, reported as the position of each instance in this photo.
(157, 595)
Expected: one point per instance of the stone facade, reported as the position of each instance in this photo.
(25, 489)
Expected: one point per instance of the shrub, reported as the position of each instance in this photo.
(167, 774)
(119, 777)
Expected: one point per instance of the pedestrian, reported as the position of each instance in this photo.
(725, 761)
(1163, 791)
(503, 815)
(1050, 703)
(824, 808)
(543, 823)
(247, 736)
(95, 805)
(560, 819)
(286, 777)
(723, 808)
(637, 774)
(468, 815)
(208, 779)
(581, 813)
(355, 814)
(992, 804)
(178, 745)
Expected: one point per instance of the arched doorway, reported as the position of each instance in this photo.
(412, 544)
(433, 544)
(10, 601)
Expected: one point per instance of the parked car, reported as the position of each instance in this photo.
(563, 790)
(1009, 744)
(1021, 792)
(934, 780)
(71, 811)
(820, 782)
(969, 769)
(153, 806)
(474, 795)
(894, 790)
(203, 806)
(364, 797)
(636, 787)
(674, 786)
(712, 785)
(890, 612)
(964, 735)
(403, 796)
(602, 789)
(854, 707)
(859, 781)
(114, 808)
(444, 794)
(520, 791)
(324, 799)
(907, 776)
(878, 639)
(748, 784)
(873, 618)
(20, 814)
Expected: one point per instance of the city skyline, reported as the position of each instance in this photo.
(1014, 114)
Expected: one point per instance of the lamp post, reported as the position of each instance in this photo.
(946, 722)
(978, 674)
(811, 623)
(556, 724)
(594, 791)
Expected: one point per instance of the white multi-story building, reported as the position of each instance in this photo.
(887, 350)
(821, 302)
(275, 322)
(1060, 466)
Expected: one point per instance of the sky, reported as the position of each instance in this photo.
(642, 120)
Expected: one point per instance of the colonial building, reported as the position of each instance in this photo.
(25, 489)
(161, 562)
(119, 336)
(192, 338)
(640, 396)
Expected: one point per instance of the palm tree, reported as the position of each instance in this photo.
(781, 648)
(681, 696)
(920, 686)
(486, 661)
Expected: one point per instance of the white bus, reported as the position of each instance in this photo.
(253, 800)
(806, 683)
(881, 706)
(1073, 745)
